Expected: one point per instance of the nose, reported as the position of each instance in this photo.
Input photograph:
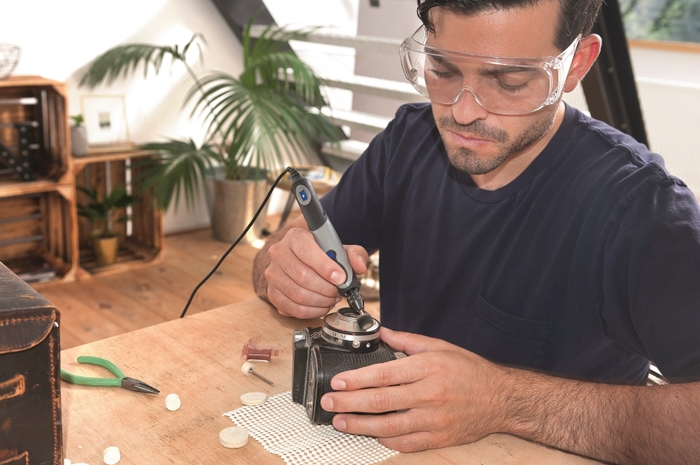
(466, 109)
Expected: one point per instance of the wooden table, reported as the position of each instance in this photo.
(198, 358)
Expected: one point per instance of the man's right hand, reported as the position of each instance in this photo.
(297, 277)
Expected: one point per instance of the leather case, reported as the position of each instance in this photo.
(30, 396)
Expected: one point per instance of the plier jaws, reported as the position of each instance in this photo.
(137, 385)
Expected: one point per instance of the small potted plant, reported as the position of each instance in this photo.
(78, 136)
(101, 213)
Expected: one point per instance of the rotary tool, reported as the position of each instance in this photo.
(326, 237)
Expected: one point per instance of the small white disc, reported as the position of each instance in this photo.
(172, 402)
(253, 398)
(233, 437)
(66, 462)
(111, 455)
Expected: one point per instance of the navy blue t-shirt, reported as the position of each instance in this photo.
(586, 265)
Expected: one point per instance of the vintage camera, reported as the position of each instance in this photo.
(323, 352)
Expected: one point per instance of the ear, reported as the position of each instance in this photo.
(586, 54)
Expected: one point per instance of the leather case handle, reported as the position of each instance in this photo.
(12, 387)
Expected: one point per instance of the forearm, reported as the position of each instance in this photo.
(618, 424)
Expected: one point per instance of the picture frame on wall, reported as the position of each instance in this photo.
(105, 122)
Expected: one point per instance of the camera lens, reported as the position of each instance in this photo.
(342, 329)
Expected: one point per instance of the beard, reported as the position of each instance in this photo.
(469, 161)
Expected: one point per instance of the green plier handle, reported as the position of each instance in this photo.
(90, 381)
(121, 380)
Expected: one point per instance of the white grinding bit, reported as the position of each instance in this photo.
(111, 455)
(249, 369)
(233, 437)
(172, 402)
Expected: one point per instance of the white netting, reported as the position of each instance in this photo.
(283, 428)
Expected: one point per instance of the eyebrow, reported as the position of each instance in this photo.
(486, 71)
(494, 71)
(441, 60)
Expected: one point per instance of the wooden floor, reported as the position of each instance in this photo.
(106, 306)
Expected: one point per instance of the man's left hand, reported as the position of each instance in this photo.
(441, 395)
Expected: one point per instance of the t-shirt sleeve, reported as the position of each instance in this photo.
(651, 278)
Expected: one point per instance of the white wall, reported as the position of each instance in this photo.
(58, 38)
(395, 19)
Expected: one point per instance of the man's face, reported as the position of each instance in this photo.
(479, 142)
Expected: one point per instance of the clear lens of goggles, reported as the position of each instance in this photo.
(507, 86)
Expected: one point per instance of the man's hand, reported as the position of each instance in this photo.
(441, 395)
(297, 277)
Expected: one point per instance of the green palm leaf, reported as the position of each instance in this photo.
(100, 211)
(264, 121)
(258, 120)
(176, 171)
(123, 60)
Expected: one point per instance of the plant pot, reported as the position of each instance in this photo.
(78, 140)
(234, 205)
(105, 248)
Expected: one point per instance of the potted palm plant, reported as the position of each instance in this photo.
(101, 213)
(257, 122)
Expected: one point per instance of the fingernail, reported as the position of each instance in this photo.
(338, 384)
(339, 423)
(327, 403)
(338, 299)
(337, 277)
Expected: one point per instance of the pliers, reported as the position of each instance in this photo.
(121, 380)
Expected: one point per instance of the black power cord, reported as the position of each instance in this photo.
(289, 169)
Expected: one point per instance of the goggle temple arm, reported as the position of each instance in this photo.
(562, 64)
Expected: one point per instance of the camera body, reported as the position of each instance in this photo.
(322, 352)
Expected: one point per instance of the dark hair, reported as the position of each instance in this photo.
(575, 16)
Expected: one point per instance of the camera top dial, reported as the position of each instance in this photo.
(342, 328)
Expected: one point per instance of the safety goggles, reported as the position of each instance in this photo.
(506, 86)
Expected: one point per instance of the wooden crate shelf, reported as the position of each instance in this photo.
(37, 230)
(39, 224)
(42, 103)
(141, 238)
(37, 214)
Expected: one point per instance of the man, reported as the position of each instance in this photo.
(517, 237)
